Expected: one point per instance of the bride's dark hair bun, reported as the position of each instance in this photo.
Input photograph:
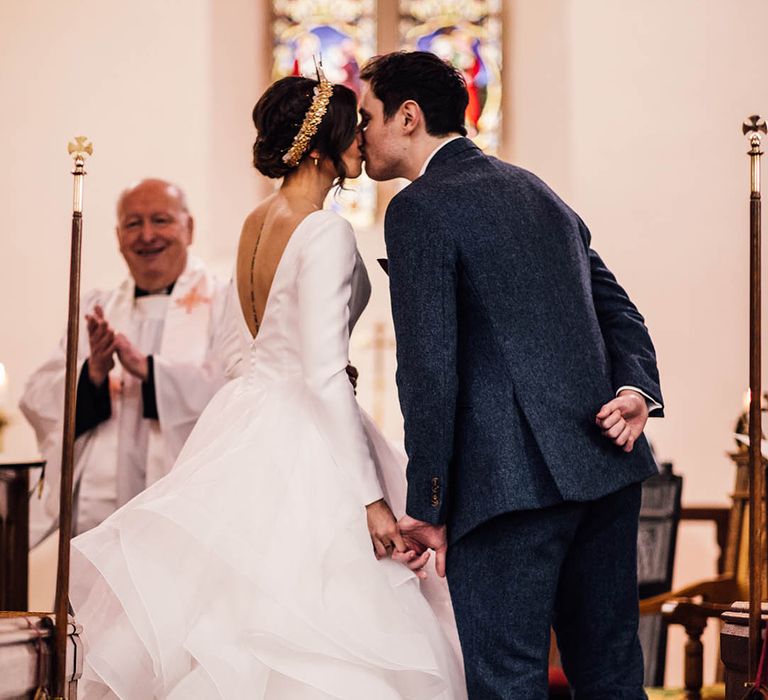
(278, 116)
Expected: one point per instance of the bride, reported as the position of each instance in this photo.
(262, 566)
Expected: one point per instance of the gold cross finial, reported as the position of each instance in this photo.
(754, 125)
(80, 147)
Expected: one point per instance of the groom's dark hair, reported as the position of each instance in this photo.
(435, 85)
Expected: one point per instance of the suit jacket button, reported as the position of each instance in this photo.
(435, 501)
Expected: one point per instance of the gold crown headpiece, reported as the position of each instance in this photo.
(312, 119)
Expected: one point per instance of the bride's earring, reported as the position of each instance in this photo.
(315, 161)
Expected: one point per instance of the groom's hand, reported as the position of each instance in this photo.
(428, 535)
(623, 419)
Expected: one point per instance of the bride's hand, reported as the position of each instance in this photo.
(382, 526)
(414, 561)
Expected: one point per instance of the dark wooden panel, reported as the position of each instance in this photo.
(656, 542)
(14, 534)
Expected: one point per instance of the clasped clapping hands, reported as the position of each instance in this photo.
(105, 343)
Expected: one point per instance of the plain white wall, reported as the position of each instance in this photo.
(631, 111)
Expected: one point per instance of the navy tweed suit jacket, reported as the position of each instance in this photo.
(511, 333)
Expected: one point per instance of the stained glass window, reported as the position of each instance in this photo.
(468, 33)
(343, 33)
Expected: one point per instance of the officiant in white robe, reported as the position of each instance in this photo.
(151, 355)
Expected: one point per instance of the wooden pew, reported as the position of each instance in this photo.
(26, 638)
(26, 649)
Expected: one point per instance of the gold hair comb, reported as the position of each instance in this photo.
(312, 119)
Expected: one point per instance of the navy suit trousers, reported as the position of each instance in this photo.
(572, 566)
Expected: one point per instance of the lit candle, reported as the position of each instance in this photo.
(3, 385)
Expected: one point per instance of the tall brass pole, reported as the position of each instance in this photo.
(752, 128)
(78, 149)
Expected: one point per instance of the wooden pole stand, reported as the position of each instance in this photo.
(79, 149)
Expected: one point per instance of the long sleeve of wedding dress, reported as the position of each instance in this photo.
(324, 282)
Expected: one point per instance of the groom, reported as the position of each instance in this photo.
(526, 376)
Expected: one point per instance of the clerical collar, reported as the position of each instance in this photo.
(139, 292)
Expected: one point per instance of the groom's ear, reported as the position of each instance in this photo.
(411, 116)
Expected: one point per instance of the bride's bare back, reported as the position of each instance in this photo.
(266, 232)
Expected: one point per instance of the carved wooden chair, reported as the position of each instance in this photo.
(694, 605)
(656, 542)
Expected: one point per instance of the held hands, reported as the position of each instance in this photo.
(387, 541)
(428, 536)
(104, 343)
(623, 419)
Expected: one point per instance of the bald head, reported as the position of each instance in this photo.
(154, 230)
(153, 184)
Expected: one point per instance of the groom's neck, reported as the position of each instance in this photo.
(423, 151)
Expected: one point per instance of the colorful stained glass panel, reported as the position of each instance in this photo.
(343, 34)
(468, 33)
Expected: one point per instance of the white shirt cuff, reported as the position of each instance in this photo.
(653, 405)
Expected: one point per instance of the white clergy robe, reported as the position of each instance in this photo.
(189, 335)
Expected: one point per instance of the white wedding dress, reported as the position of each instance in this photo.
(248, 571)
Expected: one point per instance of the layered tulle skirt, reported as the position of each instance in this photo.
(248, 572)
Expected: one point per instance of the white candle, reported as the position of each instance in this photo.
(747, 400)
(3, 386)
